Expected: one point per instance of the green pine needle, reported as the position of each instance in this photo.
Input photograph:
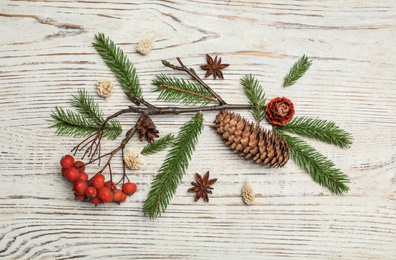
(120, 65)
(321, 169)
(158, 145)
(181, 91)
(322, 130)
(87, 120)
(256, 96)
(297, 71)
(172, 170)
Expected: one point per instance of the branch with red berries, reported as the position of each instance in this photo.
(271, 148)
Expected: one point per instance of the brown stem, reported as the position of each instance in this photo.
(124, 142)
(141, 100)
(180, 110)
(194, 75)
(92, 142)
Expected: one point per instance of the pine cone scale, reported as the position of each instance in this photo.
(251, 141)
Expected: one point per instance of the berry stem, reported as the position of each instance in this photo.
(124, 142)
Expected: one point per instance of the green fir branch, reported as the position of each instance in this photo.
(158, 145)
(181, 91)
(85, 104)
(69, 123)
(87, 119)
(120, 65)
(256, 96)
(112, 130)
(297, 71)
(173, 168)
(322, 130)
(321, 169)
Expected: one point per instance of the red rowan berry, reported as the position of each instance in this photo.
(91, 192)
(98, 181)
(96, 201)
(105, 194)
(72, 174)
(79, 165)
(129, 188)
(119, 196)
(84, 176)
(80, 186)
(63, 171)
(67, 161)
(111, 185)
(79, 197)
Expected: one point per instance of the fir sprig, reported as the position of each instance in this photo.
(297, 71)
(112, 129)
(321, 169)
(120, 65)
(322, 130)
(87, 120)
(70, 123)
(256, 95)
(172, 170)
(182, 91)
(158, 145)
(85, 104)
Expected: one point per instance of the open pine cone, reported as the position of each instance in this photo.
(147, 129)
(251, 141)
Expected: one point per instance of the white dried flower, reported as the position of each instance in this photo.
(248, 194)
(104, 87)
(144, 46)
(132, 160)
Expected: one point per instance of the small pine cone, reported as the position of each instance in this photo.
(144, 46)
(248, 194)
(147, 129)
(132, 160)
(251, 141)
(104, 87)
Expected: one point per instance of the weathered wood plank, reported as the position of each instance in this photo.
(46, 56)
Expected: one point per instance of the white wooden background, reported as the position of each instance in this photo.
(46, 55)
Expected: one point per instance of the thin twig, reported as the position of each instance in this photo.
(124, 142)
(180, 110)
(163, 85)
(192, 73)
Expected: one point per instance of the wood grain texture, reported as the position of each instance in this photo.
(46, 55)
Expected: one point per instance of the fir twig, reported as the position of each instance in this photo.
(172, 170)
(183, 91)
(322, 130)
(256, 96)
(297, 71)
(158, 145)
(87, 120)
(120, 65)
(84, 103)
(194, 75)
(321, 169)
(69, 123)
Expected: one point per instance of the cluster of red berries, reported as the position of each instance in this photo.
(96, 190)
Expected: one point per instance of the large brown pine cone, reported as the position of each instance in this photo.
(251, 141)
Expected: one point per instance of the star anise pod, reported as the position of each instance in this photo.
(214, 67)
(202, 186)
